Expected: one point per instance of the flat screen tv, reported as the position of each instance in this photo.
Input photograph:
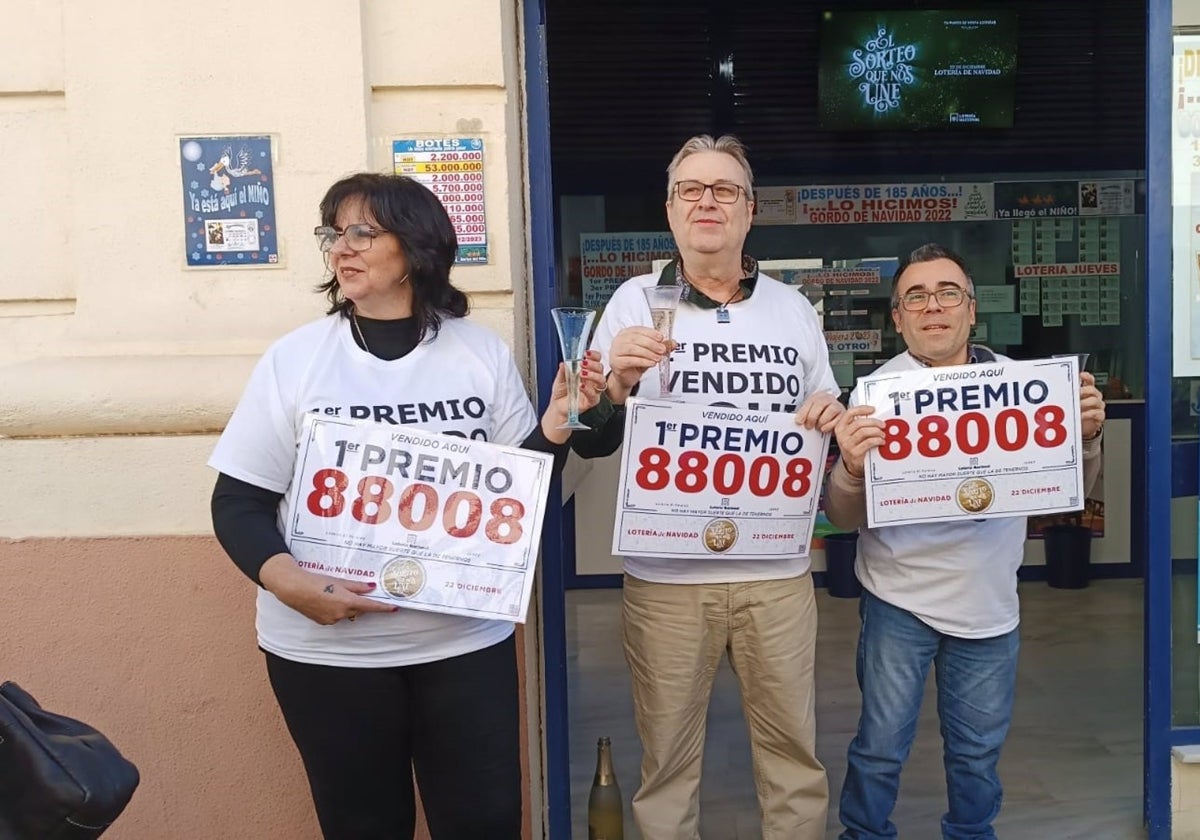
(917, 69)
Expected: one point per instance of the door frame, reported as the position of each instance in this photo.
(1159, 735)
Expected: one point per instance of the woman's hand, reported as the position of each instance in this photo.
(320, 598)
(591, 384)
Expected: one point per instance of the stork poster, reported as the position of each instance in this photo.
(228, 201)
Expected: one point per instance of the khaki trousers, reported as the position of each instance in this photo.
(674, 637)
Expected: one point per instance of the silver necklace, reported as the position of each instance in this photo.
(723, 309)
(358, 331)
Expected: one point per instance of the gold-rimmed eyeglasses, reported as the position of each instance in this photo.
(946, 298)
(723, 191)
(358, 237)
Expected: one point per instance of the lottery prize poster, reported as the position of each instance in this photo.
(228, 201)
(606, 260)
(701, 481)
(452, 168)
(438, 523)
(847, 204)
(976, 441)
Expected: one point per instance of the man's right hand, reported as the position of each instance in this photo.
(634, 350)
(857, 433)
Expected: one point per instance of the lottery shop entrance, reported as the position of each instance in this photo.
(1061, 179)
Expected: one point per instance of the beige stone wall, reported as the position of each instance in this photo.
(118, 365)
(1185, 12)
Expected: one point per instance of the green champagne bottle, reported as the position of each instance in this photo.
(605, 819)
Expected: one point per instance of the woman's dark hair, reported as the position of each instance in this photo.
(928, 253)
(408, 209)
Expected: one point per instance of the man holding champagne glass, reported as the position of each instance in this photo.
(745, 340)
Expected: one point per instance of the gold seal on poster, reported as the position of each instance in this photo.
(403, 577)
(975, 495)
(720, 535)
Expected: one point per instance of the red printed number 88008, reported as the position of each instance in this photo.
(373, 505)
(729, 473)
(973, 433)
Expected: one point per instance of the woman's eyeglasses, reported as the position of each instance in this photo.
(358, 237)
(723, 192)
(946, 298)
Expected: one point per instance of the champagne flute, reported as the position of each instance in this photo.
(663, 301)
(574, 325)
(1081, 357)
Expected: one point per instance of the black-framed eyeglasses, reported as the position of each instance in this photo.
(946, 298)
(358, 237)
(723, 191)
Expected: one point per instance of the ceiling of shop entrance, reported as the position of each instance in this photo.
(631, 79)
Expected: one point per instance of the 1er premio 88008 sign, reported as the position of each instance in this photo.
(705, 481)
(441, 523)
(975, 441)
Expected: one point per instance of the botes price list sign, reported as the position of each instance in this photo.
(452, 168)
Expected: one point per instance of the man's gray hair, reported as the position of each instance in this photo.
(726, 143)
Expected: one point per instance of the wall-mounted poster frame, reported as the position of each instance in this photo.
(229, 201)
(453, 170)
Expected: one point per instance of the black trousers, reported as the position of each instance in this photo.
(363, 732)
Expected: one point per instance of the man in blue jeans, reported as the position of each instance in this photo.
(941, 594)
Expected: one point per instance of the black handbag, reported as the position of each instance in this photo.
(60, 779)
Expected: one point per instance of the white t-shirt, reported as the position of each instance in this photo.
(769, 357)
(463, 382)
(960, 578)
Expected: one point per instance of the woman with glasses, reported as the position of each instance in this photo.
(372, 694)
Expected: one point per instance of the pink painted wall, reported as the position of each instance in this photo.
(151, 641)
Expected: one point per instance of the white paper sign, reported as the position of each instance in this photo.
(1106, 198)
(607, 260)
(844, 204)
(439, 523)
(226, 235)
(854, 341)
(699, 481)
(831, 276)
(994, 298)
(1079, 269)
(975, 442)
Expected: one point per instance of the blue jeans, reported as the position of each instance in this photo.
(975, 683)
